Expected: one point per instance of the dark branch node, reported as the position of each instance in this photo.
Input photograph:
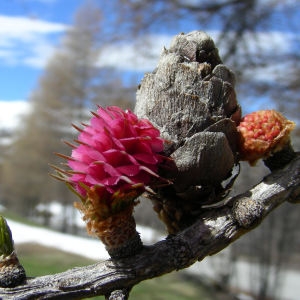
(118, 294)
(181, 253)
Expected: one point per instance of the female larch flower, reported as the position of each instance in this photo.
(116, 158)
(262, 134)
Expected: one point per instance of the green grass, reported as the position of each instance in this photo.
(39, 260)
(170, 286)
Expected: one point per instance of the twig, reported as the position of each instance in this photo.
(216, 229)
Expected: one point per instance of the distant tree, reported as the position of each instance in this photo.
(241, 29)
(62, 95)
(271, 250)
(233, 19)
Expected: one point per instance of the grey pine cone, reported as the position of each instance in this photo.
(190, 97)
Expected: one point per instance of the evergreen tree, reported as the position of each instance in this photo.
(64, 91)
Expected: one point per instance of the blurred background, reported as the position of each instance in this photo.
(59, 59)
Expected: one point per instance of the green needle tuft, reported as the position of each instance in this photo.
(6, 241)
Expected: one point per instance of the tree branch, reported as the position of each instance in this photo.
(191, 98)
(216, 228)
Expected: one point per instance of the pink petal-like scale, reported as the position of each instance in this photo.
(116, 151)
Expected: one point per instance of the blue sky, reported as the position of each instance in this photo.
(29, 32)
(31, 29)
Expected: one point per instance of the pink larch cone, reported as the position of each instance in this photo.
(116, 158)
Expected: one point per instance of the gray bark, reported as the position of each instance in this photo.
(216, 229)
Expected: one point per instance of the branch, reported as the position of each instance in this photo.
(216, 228)
(191, 98)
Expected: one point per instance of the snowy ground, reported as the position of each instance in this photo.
(94, 249)
(88, 247)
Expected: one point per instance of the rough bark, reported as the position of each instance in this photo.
(216, 229)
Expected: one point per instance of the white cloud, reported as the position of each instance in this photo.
(270, 43)
(22, 26)
(11, 112)
(138, 56)
(27, 41)
(39, 55)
